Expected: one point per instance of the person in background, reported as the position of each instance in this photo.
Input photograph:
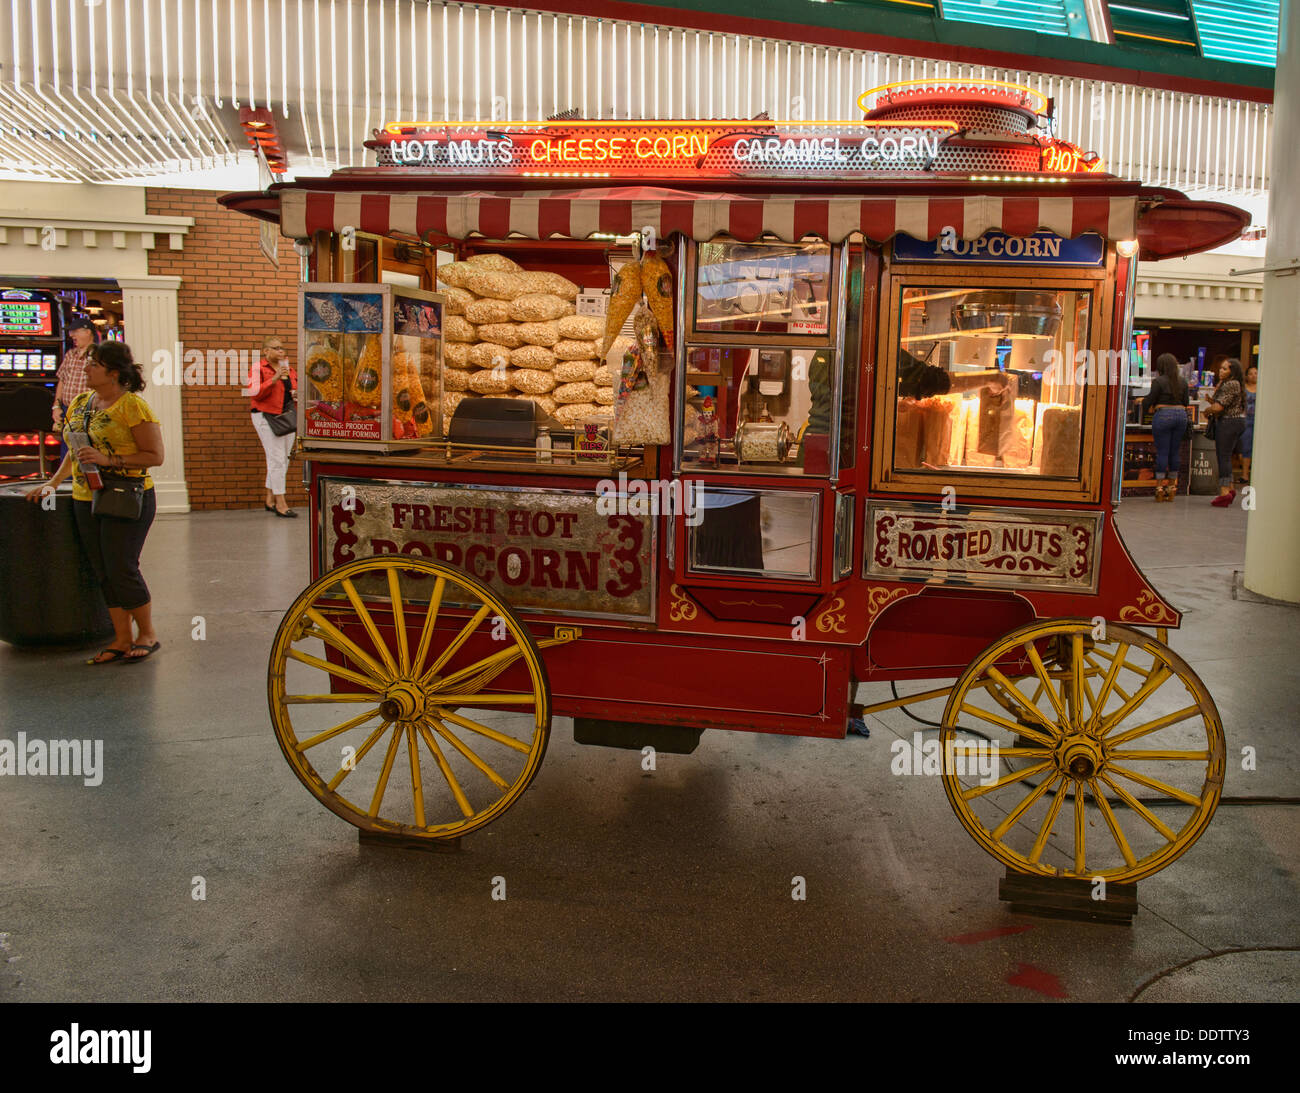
(1248, 434)
(125, 439)
(272, 390)
(1168, 399)
(1228, 406)
(72, 369)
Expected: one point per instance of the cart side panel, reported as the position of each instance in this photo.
(620, 675)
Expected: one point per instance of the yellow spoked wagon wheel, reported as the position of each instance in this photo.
(408, 697)
(1110, 764)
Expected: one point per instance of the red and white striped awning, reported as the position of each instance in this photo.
(579, 214)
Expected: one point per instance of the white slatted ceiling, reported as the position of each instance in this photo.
(164, 76)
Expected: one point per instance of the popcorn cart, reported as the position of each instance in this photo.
(722, 420)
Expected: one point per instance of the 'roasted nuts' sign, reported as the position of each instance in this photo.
(549, 550)
(994, 547)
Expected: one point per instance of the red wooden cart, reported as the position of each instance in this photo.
(889, 413)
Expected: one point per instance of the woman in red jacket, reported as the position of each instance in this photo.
(272, 391)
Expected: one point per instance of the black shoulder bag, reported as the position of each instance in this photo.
(120, 498)
(286, 421)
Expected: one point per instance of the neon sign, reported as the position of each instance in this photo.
(637, 149)
(974, 90)
(1062, 157)
(724, 149)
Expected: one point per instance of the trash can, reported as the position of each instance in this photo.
(1205, 466)
(48, 593)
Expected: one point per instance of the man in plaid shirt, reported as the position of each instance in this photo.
(72, 371)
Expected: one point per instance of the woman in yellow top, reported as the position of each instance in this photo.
(125, 439)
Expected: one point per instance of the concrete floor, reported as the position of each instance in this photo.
(620, 884)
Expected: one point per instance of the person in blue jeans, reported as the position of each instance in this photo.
(1168, 398)
(1248, 434)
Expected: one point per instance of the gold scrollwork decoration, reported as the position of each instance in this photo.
(879, 598)
(831, 620)
(682, 608)
(1148, 610)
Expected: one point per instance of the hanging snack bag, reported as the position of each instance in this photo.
(364, 388)
(657, 283)
(623, 296)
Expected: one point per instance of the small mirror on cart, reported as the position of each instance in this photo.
(760, 533)
(763, 288)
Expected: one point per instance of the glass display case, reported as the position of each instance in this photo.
(370, 360)
(762, 376)
(985, 380)
(763, 288)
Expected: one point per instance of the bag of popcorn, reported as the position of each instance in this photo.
(568, 350)
(583, 328)
(458, 300)
(488, 311)
(575, 392)
(498, 262)
(547, 333)
(489, 355)
(575, 371)
(491, 381)
(532, 381)
(456, 329)
(501, 333)
(492, 283)
(539, 307)
(550, 283)
(532, 356)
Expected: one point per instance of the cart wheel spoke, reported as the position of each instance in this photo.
(331, 635)
(1024, 806)
(1101, 744)
(1136, 699)
(1138, 807)
(363, 615)
(1006, 780)
(453, 783)
(1156, 784)
(352, 762)
(399, 622)
(1045, 832)
(1155, 726)
(336, 670)
(1107, 685)
(430, 621)
(456, 643)
(475, 726)
(381, 787)
(451, 738)
(383, 629)
(1029, 707)
(346, 726)
(1080, 831)
(417, 780)
(1103, 806)
(1048, 689)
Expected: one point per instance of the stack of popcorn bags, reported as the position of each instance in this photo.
(513, 333)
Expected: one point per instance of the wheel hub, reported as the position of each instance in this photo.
(1080, 757)
(403, 701)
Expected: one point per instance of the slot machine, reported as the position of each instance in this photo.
(32, 331)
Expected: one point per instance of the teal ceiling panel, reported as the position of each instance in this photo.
(1238, 30)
